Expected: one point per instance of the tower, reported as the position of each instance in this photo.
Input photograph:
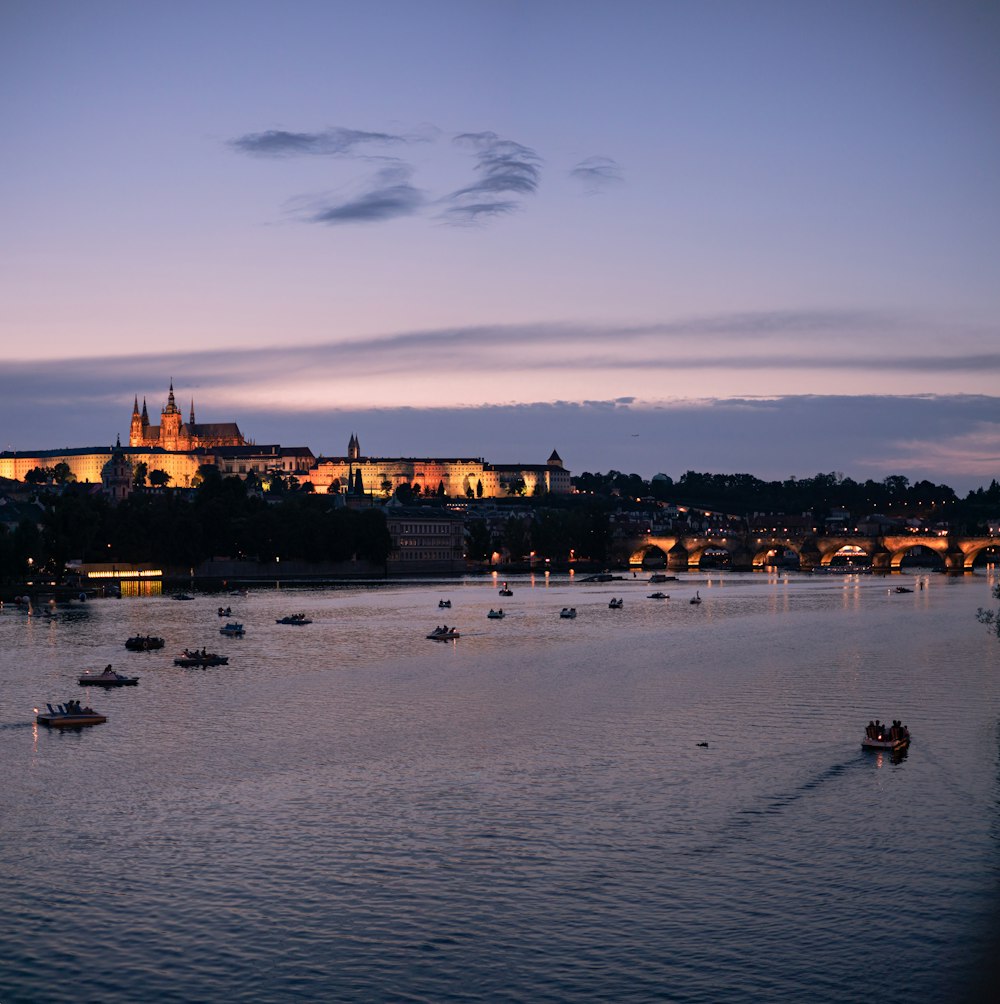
(170, 422)
(353, 448)
(135, 431)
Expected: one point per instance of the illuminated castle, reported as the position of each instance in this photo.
(173, 435)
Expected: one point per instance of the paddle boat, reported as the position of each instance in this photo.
(496, 615)
(200, 659)
(232, 630)
(879, 736)
(443, 633)
(227, 612)
(293, 619)
(68, 716)
(616, 604)
(143, 643)
(108, 678)
(568, 613)
(444, 604)
(696, 598)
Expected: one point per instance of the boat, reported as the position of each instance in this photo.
(200, 659)
(660, 577)
(496, 615)
(696, 598)
(568, 612)
(616, 604)
(108, 678)
(600, 577)
(232, 630)
(443, 633)
(879, 736)
(903, 589)
(183, 596)
(227, 612)
(68, 716)
(293, 619)
(505, 591)
(143, 643)
(658, 596)
(444, 604)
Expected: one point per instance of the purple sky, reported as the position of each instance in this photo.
(655, 236)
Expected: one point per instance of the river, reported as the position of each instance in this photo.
(350, 812)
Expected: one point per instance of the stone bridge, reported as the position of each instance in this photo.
(749, 551)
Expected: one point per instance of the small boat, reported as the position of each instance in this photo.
(227, 612)
(232, 630)
(879, 736)
(444, 604)
(496, 615)
(200, 659)
(903, 589)
(696, 598)
(660, 577)
(600, 577)
(443, 633)
(293, 619)
(568, 613)
(143, 643)
(616, 604)
(658, 596)
(506, 592)
(108, 678)
(183, 596)
(68, 716)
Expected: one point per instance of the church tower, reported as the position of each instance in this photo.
(135, 431)
(170, 423)
(353, 448)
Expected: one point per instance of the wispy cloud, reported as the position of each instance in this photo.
(597, 174)
(389, 195)
(336, 141)
(507, 171)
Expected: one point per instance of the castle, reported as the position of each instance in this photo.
(176, 437)
(179, 449)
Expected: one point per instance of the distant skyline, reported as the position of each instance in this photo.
(654, 236)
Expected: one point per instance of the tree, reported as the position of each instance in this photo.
(158, 478)
(479, 489)
(139, 473)
(37, 476)
(991, 618)
(62, 475)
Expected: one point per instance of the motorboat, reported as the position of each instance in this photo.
(903, 589)
(505, 591)
(496, 615)
(143, 643)
(108, 678)
(696, 598)
(443, 633)
(183, 596)
(660, 577)
(444, 604)
(70, 715)
(232, 630)
(879, 736)
(293, 619)
(568, 613)
(616, 604)
(658, 596)
(200, 659)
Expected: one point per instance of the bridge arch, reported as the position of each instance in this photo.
(939, 554)
(769, 555)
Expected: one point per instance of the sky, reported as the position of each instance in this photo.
(755, 237)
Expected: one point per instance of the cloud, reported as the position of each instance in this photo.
(389, 196)
(597, 174)
(336, 141)
(505, 169)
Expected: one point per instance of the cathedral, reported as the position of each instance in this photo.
(171, 434)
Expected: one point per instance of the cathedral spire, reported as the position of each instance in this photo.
(191, 419)
(145, 414)
(171, 403)
(135, 405)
